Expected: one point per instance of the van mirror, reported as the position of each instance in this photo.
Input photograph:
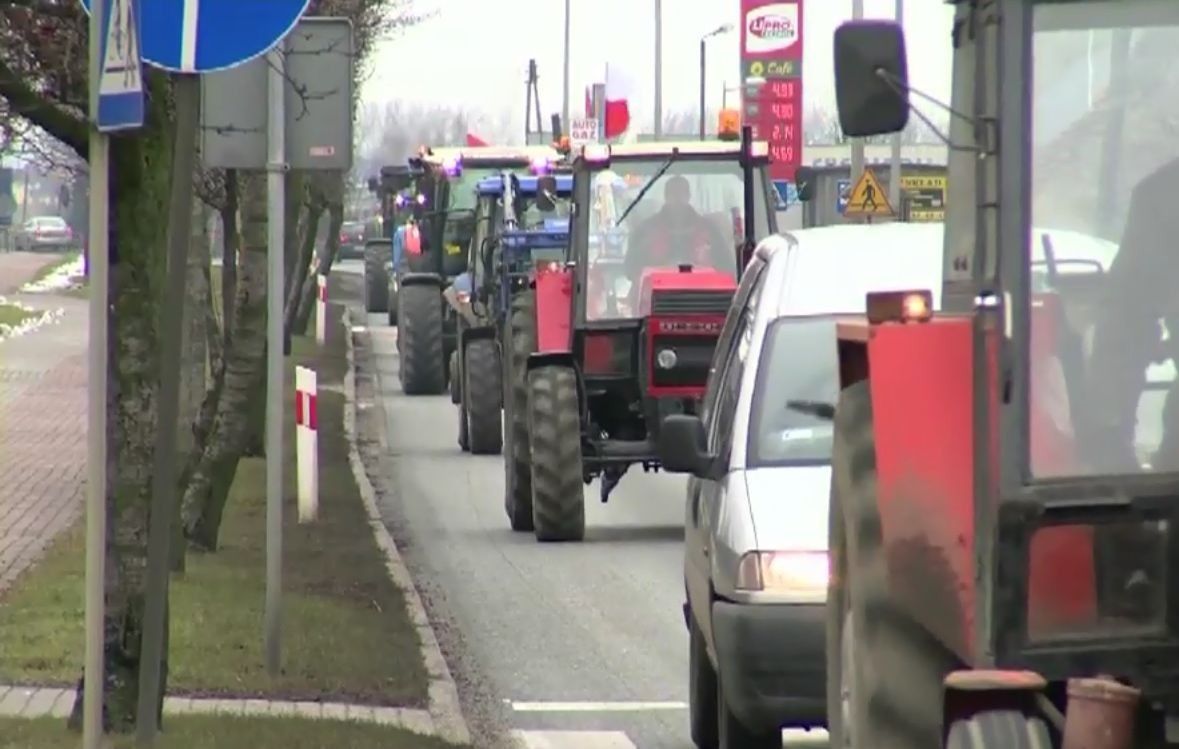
(683, 448)
(804, 183)
(871, 78)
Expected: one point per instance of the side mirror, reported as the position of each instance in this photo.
(871, 78)
(373, 185)
(546, 187)
(804, 183)
(683, 447)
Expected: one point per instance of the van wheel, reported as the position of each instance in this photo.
(702, 699)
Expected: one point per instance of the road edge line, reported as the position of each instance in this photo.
(444, 706)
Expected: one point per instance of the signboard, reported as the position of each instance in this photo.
(868, 198)
(786, 194)
(200, 36)
(120, 84)
(583, 130)
(843, 194)
(771, 75)
(926, 197)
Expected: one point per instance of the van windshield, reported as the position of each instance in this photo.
(798, 375)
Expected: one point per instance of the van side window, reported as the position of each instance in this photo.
(724, 344)
(720, 430)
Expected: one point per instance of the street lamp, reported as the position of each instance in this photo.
(724, 28)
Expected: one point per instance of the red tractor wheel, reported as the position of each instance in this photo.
(554, 431)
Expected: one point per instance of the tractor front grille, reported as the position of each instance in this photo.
(673, 302)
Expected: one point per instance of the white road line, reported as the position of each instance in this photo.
(573, 740)
(594, 707)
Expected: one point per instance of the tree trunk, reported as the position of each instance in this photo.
(293, 211)
(208, 489)
(303, 273)
(333, 194)
(139, 194)
(231, 243)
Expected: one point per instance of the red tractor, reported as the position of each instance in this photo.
(623, 332)
(1003, 500)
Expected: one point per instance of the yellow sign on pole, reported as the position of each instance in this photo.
(868, 198)
(926, 195)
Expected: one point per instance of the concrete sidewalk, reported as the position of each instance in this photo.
(42, 435)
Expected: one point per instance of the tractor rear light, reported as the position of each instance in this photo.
(803, 573)
(899, 306)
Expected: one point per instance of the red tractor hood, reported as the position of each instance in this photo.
(657, 281)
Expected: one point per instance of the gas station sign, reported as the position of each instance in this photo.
(771, 71)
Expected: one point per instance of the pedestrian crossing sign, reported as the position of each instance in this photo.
(868, 198)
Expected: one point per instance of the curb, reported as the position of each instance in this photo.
(444, 705)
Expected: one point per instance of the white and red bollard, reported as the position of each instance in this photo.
(307, 443)
(321, 309)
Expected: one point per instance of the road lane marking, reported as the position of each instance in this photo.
(573, 740)
(594, 707)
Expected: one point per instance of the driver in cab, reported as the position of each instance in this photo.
(677, 234)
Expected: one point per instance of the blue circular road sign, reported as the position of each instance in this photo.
(202, 36)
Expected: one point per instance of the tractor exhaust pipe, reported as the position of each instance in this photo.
(1101, 714)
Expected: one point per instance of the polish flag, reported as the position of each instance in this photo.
(618, 93)
(474, 141)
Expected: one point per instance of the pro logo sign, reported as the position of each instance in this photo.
(771, 28)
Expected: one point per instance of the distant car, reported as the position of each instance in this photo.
(44, 233)
(352, 236)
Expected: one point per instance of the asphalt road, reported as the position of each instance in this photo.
(586, 638)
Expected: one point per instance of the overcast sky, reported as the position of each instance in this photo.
(484, 73)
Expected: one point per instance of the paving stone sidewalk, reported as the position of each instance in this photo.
(40, 702)
(18, 268)
(42, 436)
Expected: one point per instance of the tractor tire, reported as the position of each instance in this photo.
(995, 729)
(702, 686)
(464, 436)
(884, 670)
(391, 303)
(554, 430)
(423, 368)
(482, 392)
(376, 281)
(456, 395)
(519, 344)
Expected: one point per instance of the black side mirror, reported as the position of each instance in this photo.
(871, 78)
(683, 447)
(546, 187)
(373, 185)
(804, 183)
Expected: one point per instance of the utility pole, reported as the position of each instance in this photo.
(658, 69)
(857, 144)
(565, 90)
(894, 173)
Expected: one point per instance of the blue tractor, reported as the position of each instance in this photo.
(521, 224)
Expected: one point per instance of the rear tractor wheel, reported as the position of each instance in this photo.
(554, 431)
(999, 729)
(481, 397)
(455, 393)
(376, 280)
(419, 334)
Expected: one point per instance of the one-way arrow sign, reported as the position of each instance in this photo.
(120, 83)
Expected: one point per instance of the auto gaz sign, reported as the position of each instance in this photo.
(771, 28)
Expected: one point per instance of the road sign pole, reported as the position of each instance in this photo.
(274, 358)
(894, 172)
(187, 95)
(94, 677)
(857, 144)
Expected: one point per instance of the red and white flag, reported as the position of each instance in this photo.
(474, 141)
(619, 90)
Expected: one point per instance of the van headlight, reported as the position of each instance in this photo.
(798, 572)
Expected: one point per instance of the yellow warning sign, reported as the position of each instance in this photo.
(867, 198)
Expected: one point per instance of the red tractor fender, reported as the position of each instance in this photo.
(699, 278)
(554, 306)
(413, 239)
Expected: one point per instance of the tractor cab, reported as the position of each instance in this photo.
(398, 196)
(1006, 472)
(623, 332)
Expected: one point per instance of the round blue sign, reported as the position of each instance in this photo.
(202, 36)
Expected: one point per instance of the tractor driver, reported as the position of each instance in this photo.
(1128, 337)
(677, 234)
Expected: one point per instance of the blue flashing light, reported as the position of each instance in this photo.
(526, 185)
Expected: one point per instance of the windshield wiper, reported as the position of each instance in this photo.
(650, 183)
(818, 409)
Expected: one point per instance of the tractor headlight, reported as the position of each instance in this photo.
(666, 359)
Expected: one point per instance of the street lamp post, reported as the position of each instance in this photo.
(722, 29)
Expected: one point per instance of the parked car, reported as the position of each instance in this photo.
(755, 539)
(352, 240)
(43, 233)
